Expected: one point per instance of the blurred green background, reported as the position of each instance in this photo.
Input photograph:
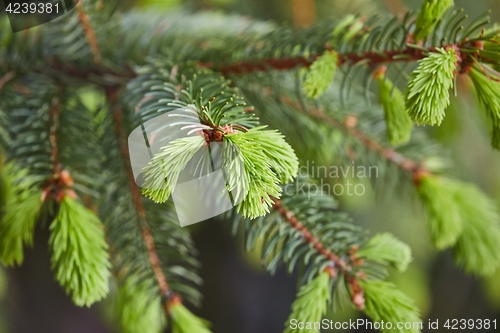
(240, 297)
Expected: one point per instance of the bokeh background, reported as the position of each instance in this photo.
(240, 297)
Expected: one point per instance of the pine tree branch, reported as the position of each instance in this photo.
(168, 296)
(345, 269)
(416, 169)
(372, 58)
(310, 238)
(54, 114)
(89, 31)
(411, 53)
(60, 183)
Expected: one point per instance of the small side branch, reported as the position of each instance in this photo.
(154, 260)
(89, 31)
(416, 169)
(371, 58)
(310, 238)
(357, 293)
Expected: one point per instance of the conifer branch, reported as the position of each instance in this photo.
(411, 53)
(60, 183)
(416, 169)
(84, 19)
(309, 237)
(154, 260)
(372, 58)
(343, 267)
(54, 113)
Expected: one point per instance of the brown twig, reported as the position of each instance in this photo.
(154, 260)
(372, 58)
(54, 114)
(60, 184)
(89, 31)
(357, 294)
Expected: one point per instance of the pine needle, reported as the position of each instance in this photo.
(183, 321)
(321, 74)
(135, 311)
(399, 124)
(384, 302)
(477, 249)
(281, 156)
(262, 181)
(444, 218)
(488, 93)
(79, 253)
(430, 14)
(162, 172)
(387, 249)
(311, 303)
(428, 91)
(21, 211)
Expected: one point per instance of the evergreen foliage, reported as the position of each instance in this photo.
(475, 217)
(385, 248)
(79, 253)
(488, 92)
(68, 104)
(481, 227)
(134, 311)
(311, 303)
(399, 124)
(431, 13)
(185, 322)
(384, 302)
(445, 225)
(321, 74)
(428, 91)
(163, 170)
(18, 222)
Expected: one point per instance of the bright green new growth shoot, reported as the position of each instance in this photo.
(321, 74)
(263, 183)
(384, 302)
(399, 124)
(428, 91)
(79, 253)
(162, 172)
(477, 248)
(183, 321)
(18, 223)
(460, 215)
(488, 93)
(387, 249)
(134, 310)
(429, 16)
(311, 303)
(268, 161)
(281, 156)
(444, 219)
